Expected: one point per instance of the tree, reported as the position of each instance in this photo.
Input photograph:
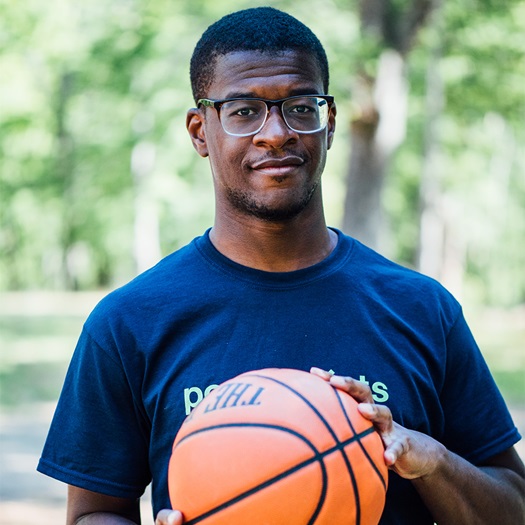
(380, 114)
(93, 147)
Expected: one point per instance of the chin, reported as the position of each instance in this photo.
(276, 214)
(271, 212)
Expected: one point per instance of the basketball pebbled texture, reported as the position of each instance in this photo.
(277, 446)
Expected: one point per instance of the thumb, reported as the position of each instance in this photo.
(169, 517)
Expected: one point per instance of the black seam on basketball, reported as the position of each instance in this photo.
(318, 456)
(303, 398)
(351, 473)
(332, 433)
(365, 452)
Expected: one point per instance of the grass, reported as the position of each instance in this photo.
(501, 337)
(34, 355)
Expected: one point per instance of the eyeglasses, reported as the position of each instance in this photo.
(242, 117)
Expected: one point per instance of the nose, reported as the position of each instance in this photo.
(275, 131)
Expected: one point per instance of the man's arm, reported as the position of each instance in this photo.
(91, 508)
(492, 493)
(455, 491)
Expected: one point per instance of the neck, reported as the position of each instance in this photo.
(273, 246)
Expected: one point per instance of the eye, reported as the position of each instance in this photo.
(245, 112)
(241, 109)
(302, 109)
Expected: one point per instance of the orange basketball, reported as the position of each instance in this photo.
(277, 446)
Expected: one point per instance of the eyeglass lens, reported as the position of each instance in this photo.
(246, 117)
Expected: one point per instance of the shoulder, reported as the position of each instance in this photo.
(407, 290)
(160, 289)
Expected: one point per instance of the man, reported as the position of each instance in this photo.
(271, 286)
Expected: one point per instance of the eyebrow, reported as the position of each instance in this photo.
(251, 94)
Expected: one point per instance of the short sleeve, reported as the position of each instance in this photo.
(98, 438)
(478, 424)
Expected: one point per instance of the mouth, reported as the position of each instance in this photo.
(278, 166)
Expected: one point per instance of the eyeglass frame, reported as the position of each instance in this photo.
(217, 104)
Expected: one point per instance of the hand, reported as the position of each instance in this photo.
(409, 453)
(169, 517)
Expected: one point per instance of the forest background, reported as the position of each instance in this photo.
(98, 178)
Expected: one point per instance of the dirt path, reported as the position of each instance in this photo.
(26, 496)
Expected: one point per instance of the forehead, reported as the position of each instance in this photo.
(265, 75)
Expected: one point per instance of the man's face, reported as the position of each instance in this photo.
(274, 174)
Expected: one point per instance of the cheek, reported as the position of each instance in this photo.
(226, 153)
(226, 157)
(317, 149)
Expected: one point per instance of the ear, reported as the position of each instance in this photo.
(195, 127)
(331, 125)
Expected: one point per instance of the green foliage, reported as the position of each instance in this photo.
(481, 136)
(88, 87)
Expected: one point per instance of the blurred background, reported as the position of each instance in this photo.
(98, 179)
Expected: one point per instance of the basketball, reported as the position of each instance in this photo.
(277, 446)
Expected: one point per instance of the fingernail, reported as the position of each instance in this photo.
(390, 459)
(338, 381)
(320, 372)
(173, 517)
(366, 409)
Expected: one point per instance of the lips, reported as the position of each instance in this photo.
(278, 164)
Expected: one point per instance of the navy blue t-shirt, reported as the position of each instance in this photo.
(151, 350)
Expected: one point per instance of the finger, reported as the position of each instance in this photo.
(379, 415)
(323, 374)
(169, 517)
(357, 389)
(394, 450)
(390, 457)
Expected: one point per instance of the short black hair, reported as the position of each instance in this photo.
(263, 29)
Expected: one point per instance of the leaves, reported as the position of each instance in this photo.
(84, 85)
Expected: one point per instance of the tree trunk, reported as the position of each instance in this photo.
(378, 127)
(146, 239)
(431, 208)
(64, 169)
(376, 132)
